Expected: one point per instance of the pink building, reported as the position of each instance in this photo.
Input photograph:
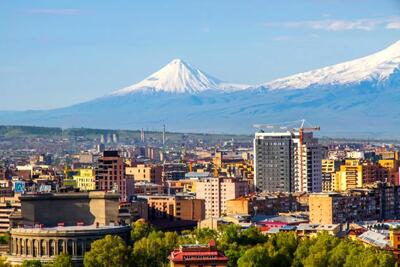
(216, 192)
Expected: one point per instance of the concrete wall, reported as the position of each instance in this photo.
(70, 208)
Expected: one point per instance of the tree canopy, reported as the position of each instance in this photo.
(244, 248)
(110, 251)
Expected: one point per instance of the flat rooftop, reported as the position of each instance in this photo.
(84, 228)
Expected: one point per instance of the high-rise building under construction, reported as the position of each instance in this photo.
(287, 161)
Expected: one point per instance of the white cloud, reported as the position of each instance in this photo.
(49, 11)
(339, 24)
(395, 25)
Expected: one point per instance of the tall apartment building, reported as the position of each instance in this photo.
(217, 191)
(110, 175)
(329, 168)
(283, 164)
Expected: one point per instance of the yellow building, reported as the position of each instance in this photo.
(394, 236)
(349, 176)
(238, 206)
(85, 180)
(392, 170)
(389, 163)
(321, 208)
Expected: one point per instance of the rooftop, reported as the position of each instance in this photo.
(56, 229)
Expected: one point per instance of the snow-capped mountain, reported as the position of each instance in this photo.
(375, 68)
(180, 77)
(348, 99)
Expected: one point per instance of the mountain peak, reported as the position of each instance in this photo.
(377, 67)
(175, 77)
(180, 77)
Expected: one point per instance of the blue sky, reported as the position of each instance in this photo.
(56, 53)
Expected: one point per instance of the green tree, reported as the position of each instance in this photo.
(107, 252)
(4, 238)
(255, 257)
(139, 230)
(369, 257)
(4, 263)
(31, 263)
(62, 260)
(148, 252)
(281, 248)
(234, 252)
(252, 236)
(154, 249)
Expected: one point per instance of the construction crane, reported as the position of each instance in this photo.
(291, 127)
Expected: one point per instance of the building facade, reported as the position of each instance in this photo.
(145, 173)
(110, 175)
(85, 180)
(53, 223)
(217, 191)
(284, 164)
(198, 255)
(45, 243)
(379, 202)
(176, 208)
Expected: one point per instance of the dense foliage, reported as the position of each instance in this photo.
(248, 248)
(244, 248)
(62, 260)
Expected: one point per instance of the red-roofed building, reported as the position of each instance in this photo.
(198, 255)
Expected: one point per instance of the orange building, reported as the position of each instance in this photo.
(239, 206)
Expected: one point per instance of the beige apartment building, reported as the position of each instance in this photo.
(217, 191)
(146, 173)
(176, 208)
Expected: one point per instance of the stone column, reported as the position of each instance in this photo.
(74, 247)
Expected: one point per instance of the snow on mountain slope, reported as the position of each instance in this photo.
(180, 77)
(377, 68)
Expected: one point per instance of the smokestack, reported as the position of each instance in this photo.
(142, 135)
(163, 136)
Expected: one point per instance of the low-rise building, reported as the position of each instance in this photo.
(176, 208)
(379, 202)
(146, 173)
(51, 224)
(85, 180)
(146, 188)
(198, 255)
(268, 203)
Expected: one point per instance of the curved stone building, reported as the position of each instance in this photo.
(45, 243)
(53, 223)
